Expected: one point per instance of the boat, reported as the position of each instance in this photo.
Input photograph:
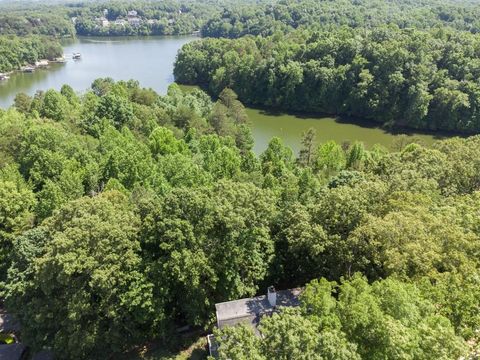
(76, 56)
(4, 77)
(28, 69)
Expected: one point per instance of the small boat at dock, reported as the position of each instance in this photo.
(76, 56)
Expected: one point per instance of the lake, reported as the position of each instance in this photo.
(290, 127)
(146, 59)
(150, 61)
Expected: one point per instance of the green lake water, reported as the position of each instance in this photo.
(290, 128)
(150, 61)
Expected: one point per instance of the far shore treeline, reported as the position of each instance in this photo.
(399, 78)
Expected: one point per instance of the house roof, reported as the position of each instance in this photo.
(250, 310)
(12, 351)
(8, 324)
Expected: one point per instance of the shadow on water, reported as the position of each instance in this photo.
(362, 123)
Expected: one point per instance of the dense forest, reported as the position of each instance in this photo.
(16, 51)
(35, 19)
(266, 17)
(151, 18)
(126, 212)
(228, 18)
(413, 78)
(126, 215)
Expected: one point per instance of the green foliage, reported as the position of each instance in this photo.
(54, 106)
(388, 319)
(396, 77)
(125, 214)
(88, 272)
(16, 52)
(209, 244)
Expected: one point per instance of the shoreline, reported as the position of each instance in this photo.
(340, 118)
(41, 64)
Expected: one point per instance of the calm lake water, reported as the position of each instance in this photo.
(290, 128)
(146, 59)
(150, 61)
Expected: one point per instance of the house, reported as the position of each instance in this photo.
(41, 63)
(134, 21)
(17, 351)
(120, 22)
(103, 21)
(7, 323)
(132, 13)
(250, 311)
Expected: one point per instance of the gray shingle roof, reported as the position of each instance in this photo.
(8, 324)
(250, 310)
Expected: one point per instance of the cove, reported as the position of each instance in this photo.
(290, 127)
(146, 59)
(150, 61)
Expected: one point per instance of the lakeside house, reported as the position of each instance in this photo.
(103, 21)
(134, 21)
(41, 63)
(249, 311)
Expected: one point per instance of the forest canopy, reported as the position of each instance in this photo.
(399, 78)
(390, 238)
(126, 215)
(228, 18)
(17, 51)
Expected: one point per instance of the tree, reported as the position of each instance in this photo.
(209, 244)
(116, 109)
(355, 156)
(22, 103)
(54, 106)
(329, 158)
(68, 92)
(83, 293)
(305, 157)
(163, 142)
(277, 158)
(17, 203)
(238, 343)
